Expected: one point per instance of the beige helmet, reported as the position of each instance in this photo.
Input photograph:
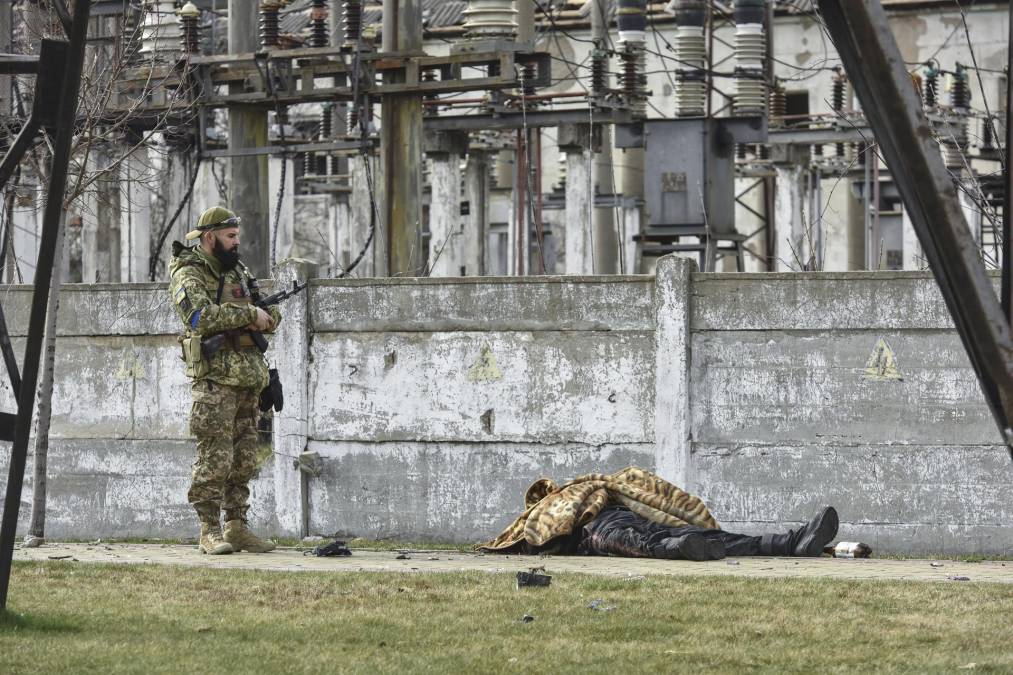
(215, 218)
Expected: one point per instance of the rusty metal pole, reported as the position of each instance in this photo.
(401, 146)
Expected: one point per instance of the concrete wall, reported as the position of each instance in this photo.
(434, 403)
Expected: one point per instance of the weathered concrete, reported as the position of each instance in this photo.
(433, 403)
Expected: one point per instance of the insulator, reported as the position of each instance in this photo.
(838, 89)
(161, 34)
(691, 50)
(778, 105)
(633, 79)
(986, 136)
(631, 21)
(351, 20)
(490, 18)
(190, 36)
(960, 95)
(430, 75)
(563, 162)
(931, 88)
(530, 74)
(319, 32)
(269, 23)
(750, 55)
(599, 71)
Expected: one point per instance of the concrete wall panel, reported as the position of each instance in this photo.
(776, 386)
(462, 492)
(483, 303)
(547, 387)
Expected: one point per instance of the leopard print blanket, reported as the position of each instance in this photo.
(552, 511)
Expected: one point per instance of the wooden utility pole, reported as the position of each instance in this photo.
(401, 148)
(248, 186)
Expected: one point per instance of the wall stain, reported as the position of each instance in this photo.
(485, 368)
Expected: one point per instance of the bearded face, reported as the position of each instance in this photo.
(226, 248)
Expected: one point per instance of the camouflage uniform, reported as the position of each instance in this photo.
(226, 387)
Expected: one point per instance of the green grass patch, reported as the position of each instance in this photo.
(70, 618)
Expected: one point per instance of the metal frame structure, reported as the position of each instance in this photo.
(58, 80)
(893, 108)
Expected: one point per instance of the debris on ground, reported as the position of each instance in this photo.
(527, 618)
(936, 564)
(954, 577)
(600, 606)
(533, 578)
(335, 548)
(60, 557)
(32, 542)
(402, 556)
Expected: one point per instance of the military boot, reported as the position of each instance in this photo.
(211, 540)
(242, 539)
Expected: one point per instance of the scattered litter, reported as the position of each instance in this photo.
(954, 577)
(936, 564)
(640, 577)
(533, 578)
(527, 618)
(733, 562)
(600, 606)
(403, 556)
(513, 659)
(968, 666)
(432, 557)
(32, 542)
(336, 547)
(60, 557)
(852, 549)
(204, 629)
(96, 542)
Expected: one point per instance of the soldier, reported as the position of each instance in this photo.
(211, 290)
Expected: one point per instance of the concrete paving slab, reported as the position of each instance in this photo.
(293, 560)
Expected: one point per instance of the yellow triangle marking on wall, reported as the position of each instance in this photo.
(882, 364)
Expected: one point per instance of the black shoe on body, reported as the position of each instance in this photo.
(807, 542)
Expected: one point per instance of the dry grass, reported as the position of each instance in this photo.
(69, 617)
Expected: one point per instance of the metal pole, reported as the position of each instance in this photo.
(401, 147)
(40, 294)
(1007, 245)
(248, 186)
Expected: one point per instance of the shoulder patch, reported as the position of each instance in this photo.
(183, 300)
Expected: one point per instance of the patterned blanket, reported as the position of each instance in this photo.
(552, 511)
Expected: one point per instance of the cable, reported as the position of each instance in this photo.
(153, 260)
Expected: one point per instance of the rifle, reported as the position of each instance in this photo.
(211, 345)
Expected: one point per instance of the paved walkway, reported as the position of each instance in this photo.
(291, 560)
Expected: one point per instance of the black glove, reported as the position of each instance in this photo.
(273, 394)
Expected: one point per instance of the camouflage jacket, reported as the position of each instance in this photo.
(194, 282)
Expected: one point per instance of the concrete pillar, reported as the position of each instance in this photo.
(579, 254)
(284, 239)
(606, 240)
(673, 444)
(445, 259)
(788, 217)
(289, 353)
(631, 213)
(475, 237)
(135, 218)
(360, 214)
(914, 259)
(248, 184)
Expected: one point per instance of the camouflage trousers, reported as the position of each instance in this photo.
(224, 420)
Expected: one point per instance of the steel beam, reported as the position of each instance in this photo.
(861, 32)
(70, 78)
